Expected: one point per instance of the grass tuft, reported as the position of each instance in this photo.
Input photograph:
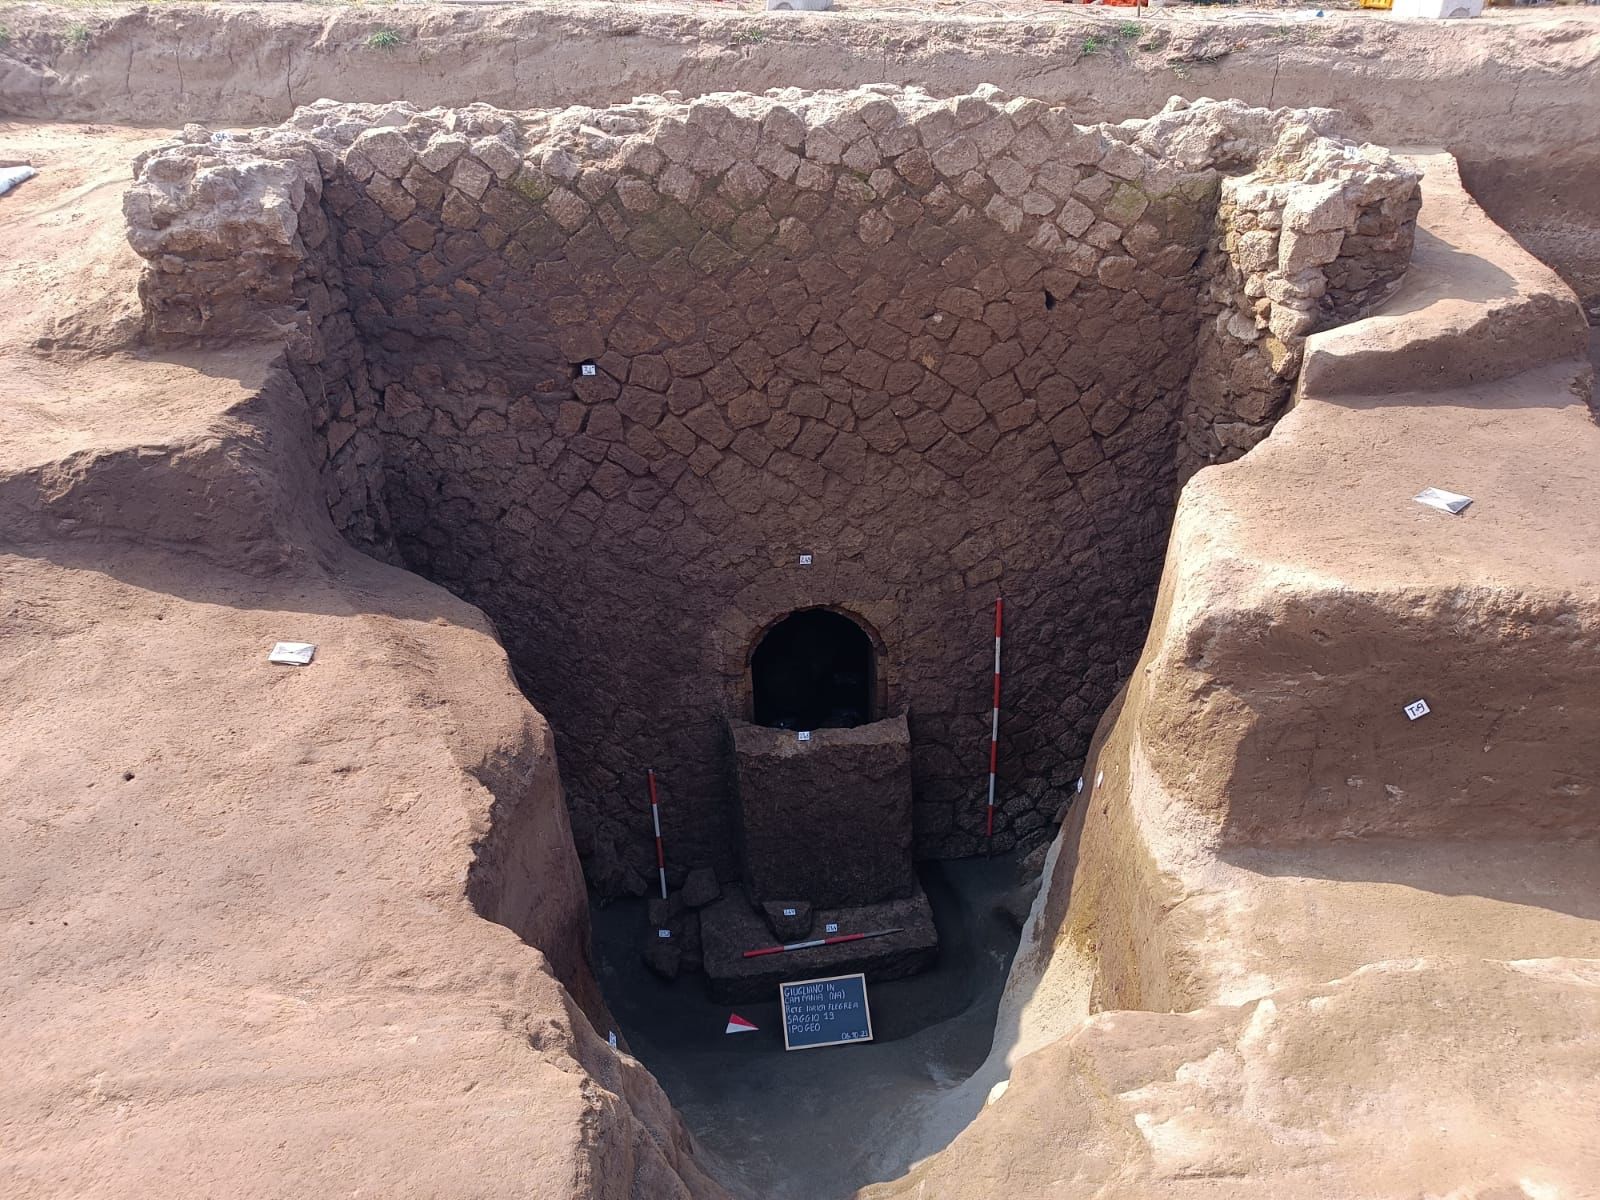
(384, 39)
(78, 35)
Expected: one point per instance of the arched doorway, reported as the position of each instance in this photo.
(813, 670)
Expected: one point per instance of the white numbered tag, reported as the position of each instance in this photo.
(805, 560)
(1417, 708)
(804, 735)
(294, 654)
(788, 912)
(1453, 503)
(587, 369)
(831, 927)
(663, 933)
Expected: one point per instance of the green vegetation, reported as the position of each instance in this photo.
(78, 35)
(749, 37)
(1128, 30)
(1093, 44)
(5, 37)
(384, 39)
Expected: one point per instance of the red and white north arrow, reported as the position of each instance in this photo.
(737, 1024)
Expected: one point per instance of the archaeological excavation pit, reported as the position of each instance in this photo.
(736, 415)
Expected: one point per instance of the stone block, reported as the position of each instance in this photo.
(385, 149)
(828, 819)
(499, 157)
(730, 927)
(442, 150)
(789, 920)
(471, 177)
(659, 911)
(1075, 218)
(664, 954)
(700, 887)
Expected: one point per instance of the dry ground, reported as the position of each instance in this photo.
(239, 955)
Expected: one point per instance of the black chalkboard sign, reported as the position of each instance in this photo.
(825, 1012)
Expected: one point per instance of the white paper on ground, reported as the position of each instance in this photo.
(1450, 502)
(294, 654)
(1417, 708)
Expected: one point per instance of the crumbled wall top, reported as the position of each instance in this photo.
(215, 197)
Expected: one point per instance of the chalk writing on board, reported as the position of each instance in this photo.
(825, 1012)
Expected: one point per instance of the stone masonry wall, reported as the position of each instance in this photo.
(611, 372)
(238, 246)
(1301, 243)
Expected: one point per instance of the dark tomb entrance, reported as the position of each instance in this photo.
(813, 670)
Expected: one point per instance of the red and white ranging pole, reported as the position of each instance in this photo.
(822, 941)
(655, 816)
(994, 721)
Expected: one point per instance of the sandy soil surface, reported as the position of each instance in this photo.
(816, 1125)
(70, 284)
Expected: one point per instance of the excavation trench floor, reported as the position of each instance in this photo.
(816, 1125)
